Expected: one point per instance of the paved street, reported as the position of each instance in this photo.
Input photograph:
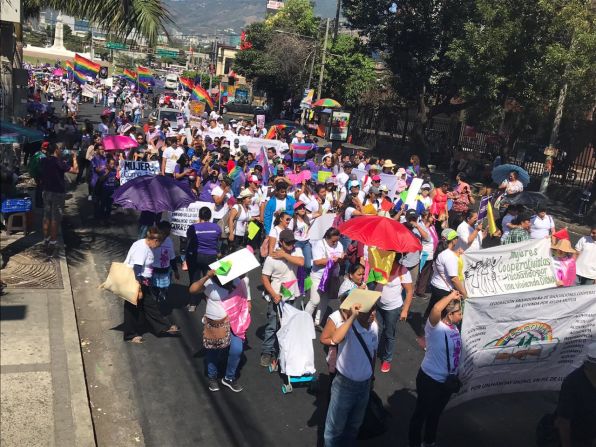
(156, 393)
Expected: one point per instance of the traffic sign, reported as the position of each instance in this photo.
(115, 46)
(166, 53)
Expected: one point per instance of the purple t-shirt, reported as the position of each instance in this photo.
(202, 238)
(97, 162)
(52, 174)
(205, 195)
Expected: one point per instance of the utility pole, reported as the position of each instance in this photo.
(320, 90)
(336, 25)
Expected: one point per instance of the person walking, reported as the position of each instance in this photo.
(586, 258)
(439, 366)
(202, 239)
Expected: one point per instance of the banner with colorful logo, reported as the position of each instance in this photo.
(524, 341)
(509, 268)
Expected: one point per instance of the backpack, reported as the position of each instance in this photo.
(223, 223)
(35, 164)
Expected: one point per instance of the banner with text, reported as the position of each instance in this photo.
(389, 180)
(183, 218)
(524, 342)
(509, 268)
(130, 169)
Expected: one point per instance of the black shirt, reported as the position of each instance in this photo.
(577, 403)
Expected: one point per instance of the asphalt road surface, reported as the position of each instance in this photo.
(155, 394)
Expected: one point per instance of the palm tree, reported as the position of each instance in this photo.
(124, 18)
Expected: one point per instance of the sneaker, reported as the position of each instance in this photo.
(232, 384)
(191, 308)
(385, 366)
(213, 385)
(90, 198)
(265, 360)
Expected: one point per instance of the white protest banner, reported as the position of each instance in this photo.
(388, 180)
(525, 341)
(413, 191)
(183, 218)
(254, 145)
(234, 265)
(320, 225)
(130, 169)
(509, 268)
(88, 91)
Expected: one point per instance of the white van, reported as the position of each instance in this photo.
(171, 81)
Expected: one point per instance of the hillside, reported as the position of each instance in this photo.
(205, 16)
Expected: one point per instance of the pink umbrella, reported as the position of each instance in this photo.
(58, 72)
(118, 142)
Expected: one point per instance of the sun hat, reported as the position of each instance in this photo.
(375, 168)
(245, 193)
(563, 245)
(299, 134)
(449, 234)
(389, 164)
(383, 188)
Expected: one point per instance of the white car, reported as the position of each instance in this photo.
(171, 81)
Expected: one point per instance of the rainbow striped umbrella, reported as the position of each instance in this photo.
(327, 102)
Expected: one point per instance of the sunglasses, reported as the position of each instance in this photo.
(287, 220)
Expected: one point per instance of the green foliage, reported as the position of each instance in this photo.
(349, 72)
(297, 16)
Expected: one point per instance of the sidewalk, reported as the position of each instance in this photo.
(43, 391)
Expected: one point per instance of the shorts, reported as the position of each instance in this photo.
(53, 205)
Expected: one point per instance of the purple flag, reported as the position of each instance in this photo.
(326, 275)
(263, 160)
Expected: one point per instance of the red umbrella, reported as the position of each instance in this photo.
(381, 232)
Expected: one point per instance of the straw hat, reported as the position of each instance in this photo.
(564, 245)
(389, 164)
(245, 193)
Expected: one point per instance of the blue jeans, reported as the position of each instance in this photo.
(234, 354)
(271, 327)
(388, 320)
(307, 252)
(346, 411)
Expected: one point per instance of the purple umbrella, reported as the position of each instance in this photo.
(154, 193)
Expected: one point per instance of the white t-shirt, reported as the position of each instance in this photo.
(445, 267)
(300, 228)
(259, 197)
(349, 212)
(215, 295)
(281, 272)
(391, 293)
(171, 156)
(274, 233)
(139, 253)
(463, 232)
(428, 245)
(220, 210)
(352, 361)
(434, 363)
(586, 261)
(215, 132)
(541, 227)
(322, 250)
(163, 254)
(242, 219)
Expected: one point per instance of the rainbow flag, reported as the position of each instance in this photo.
(145, 75)
(69, 66)
(272, 132)
(130, 75)
(143, 87)
(199, 93)
(85, 66)
(79, 77)
(186, 83)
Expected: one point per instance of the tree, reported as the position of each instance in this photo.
(122, 17)
(297, 16)
(414, 38)
(349, 72)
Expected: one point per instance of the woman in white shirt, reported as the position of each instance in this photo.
(323, 251)
(140, 258)
(445, 269)
(441, 359)
(392, 307)
(281, 221)
(352, 207)
(217, 333)
(512, 185)
(238, 220)
(350, 388)
(541, 224)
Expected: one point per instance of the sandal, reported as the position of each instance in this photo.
(174, 330)
(137, 340)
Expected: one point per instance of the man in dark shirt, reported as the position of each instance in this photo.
(576, 412)
(53, 184)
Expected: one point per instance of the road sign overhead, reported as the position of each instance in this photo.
(115, 45)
